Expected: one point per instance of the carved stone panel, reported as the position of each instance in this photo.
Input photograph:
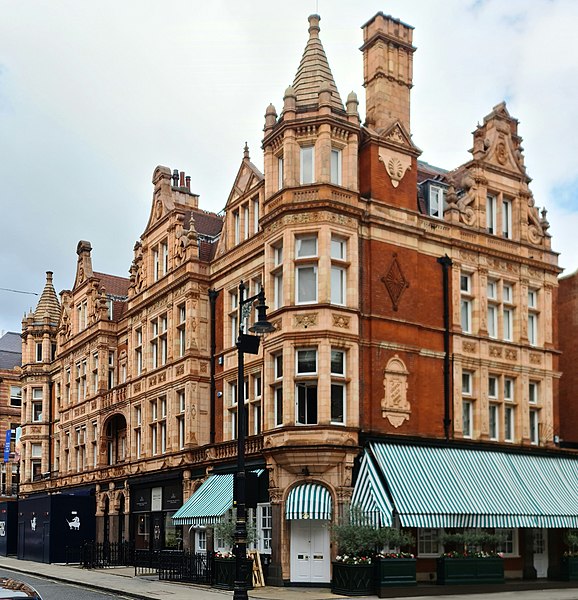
(395, 406)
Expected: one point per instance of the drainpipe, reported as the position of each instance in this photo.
(446, 263)
(213, 294)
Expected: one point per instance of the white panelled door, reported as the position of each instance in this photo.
(310, 551)
(541, 552)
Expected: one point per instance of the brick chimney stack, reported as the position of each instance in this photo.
(387, 71)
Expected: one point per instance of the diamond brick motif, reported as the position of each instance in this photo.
(395, 282)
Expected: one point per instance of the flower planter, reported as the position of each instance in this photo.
(569, 568)
(393, 572)
(455, 571)
(224, 573)
(352, 580)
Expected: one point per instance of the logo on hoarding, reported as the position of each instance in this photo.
(33, 523)
(2, 528)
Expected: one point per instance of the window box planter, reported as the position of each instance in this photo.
(455, 571)
(569, 568)
(352, 580)
(225, 573)
(393, 572)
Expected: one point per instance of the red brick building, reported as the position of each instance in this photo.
(415, 315)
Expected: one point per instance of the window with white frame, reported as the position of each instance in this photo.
(509, 423)
(255, 215)
(508, 545)
(338, 388)
(201, 540)
(507, 313)
(277, 274)
(466, 302)
(491, 217)
(492, 293)
(533, 317)
(181, 418)
(493, 421)
(37, 399)
(111, 368)
(533, 392)
(467, 416)
(336, 158)
(264, 527)
(534, 427)
(82, 313)
(237, 226)
(138, 357)
(307, 165)
(246, 221)
(508, 389)
(160, 260)
(306, 269)
(492, 387)
(67, 381)
(306, 384)
(278, 389)
(338, 270)
(38, 351)
(428, 542)
(467, 383)
(436, 203)
(15, 395)
(233, 316)
(110, 309)
(280, 172)
(137, 430)
(232, 392)
(182, 328)
(256, 403)
(159, 341)
(95, 372)
(507, 219)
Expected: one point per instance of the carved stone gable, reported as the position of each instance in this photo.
(395, 282)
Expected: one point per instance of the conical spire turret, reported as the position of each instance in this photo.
(314, 72)
(48, 303)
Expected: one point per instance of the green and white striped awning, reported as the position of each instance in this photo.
(370, 496)
(308, 501)
(209, 503)
(460, 487)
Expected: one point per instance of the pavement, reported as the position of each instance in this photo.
(122, 581)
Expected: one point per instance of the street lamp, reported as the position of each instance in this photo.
(245, 344)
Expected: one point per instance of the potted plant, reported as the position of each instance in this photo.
(394, 568)
(357, 542)
(569, 565)
(225, 562)
(472, 560)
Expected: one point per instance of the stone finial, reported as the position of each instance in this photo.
(270, 117)
(314, 25)
(246, 152)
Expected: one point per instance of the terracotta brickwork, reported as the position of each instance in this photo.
(568, 316)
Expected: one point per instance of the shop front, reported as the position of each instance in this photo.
(527, 499)
(152, 508)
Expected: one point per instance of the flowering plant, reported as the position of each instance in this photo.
(228, 555)
(353, 560)
(394, 555)
(472, 554)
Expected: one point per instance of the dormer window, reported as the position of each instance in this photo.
(435, 198)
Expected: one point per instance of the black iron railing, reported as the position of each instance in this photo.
(183, 565)
(100, 555)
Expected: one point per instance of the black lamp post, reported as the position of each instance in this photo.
(245, 344)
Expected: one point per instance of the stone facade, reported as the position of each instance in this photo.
(358, 246)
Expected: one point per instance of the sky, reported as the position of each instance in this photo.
(95, 94)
